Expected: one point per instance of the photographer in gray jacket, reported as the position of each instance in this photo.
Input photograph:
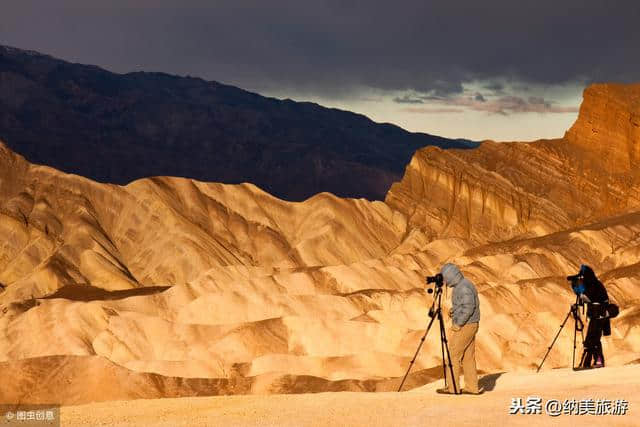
(465, 317)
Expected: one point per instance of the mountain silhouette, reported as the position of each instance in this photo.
(117, 128)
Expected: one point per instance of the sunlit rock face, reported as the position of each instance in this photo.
(608, 127)
(174, 287)
(503, 190)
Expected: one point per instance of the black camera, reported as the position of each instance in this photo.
(437, 279)
(578, 288)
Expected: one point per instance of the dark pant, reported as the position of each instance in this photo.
(592, 344)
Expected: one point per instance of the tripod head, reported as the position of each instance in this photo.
(576, 313)
(438, 290)
(437, 297)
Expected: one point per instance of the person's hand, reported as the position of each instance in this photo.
(455, 327)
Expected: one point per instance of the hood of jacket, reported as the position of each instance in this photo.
(451, 274)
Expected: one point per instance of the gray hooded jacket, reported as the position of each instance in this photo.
(465, 303)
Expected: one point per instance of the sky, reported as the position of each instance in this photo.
(494, 69)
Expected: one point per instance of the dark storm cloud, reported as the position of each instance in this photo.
(496, 88)
(336, 47)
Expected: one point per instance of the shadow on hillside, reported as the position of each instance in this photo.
(91, 293)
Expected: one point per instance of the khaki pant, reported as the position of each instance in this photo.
(462, 347)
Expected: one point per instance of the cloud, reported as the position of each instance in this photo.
(495, 88)
(406, 99)
(336, 48)
(431, 110)
(432, 98)
(504, 105)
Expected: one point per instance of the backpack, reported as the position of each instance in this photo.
(612, 310)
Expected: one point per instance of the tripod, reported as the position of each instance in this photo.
(577, 326)
(435, 311)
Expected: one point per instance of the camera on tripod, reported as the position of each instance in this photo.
(577, 283)
(437, 279)
(435, 312)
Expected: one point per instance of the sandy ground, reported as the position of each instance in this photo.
(414, 408)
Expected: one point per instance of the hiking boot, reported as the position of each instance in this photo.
(599, 363)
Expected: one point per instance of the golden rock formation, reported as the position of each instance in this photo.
(173, 287)
(503, 190)
(608, 127)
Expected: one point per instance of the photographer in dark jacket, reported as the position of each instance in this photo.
(596, 298)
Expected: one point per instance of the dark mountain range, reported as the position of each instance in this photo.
(120, 127)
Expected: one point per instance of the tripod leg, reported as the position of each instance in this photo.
(583, 359)
(575, 333)
(588, 355)
(417, 351)
(554, 340)
(443, 337)
(444, 366)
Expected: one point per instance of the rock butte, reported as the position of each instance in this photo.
(171, 287)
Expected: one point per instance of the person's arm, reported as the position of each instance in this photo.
(603, 292)
(465, 307)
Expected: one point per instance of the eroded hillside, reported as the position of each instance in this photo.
(173, 287)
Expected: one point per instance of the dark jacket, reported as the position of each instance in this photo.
(596, 297)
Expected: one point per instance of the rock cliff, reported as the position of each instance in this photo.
(504, 190)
